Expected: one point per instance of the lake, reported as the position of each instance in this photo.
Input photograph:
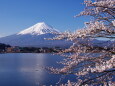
(25, 69)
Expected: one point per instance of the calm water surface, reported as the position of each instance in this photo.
(25, 69)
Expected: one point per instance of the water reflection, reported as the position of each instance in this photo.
(26, 69)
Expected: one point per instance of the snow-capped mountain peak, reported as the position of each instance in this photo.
(38, 29)
(34, 37)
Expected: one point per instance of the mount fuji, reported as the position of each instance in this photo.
(34, 37)
(38, 29)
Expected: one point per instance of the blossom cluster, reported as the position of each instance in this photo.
(95, 64)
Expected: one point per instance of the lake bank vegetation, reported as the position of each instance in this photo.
(4, 48)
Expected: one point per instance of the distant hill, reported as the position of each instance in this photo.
(3, 46)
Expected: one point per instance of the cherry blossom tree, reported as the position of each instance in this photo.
(92, 63)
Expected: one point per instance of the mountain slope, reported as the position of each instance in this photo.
(34, 37)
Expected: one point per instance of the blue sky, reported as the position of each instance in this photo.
(16, 15)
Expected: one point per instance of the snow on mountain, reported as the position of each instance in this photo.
(34, 37)
(38, 29)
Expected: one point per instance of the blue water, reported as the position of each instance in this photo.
(25, 69)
